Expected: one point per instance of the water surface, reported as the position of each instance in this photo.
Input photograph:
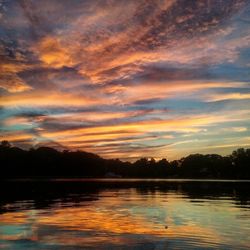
(124, 214)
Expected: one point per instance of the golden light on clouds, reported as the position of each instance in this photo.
(143, 74)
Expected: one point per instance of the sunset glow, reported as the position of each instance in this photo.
(126, 79)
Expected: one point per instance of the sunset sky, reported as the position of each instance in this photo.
(126, 79)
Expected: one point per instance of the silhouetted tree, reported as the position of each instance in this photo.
(46, 162)
(5, 144)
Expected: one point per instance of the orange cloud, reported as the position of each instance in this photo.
(108, 140)
(15, 136)
(98, 51)
(43, 98)
(155, 90)
(13, 84)
(52, 53)
(227, 96)
(9, 80)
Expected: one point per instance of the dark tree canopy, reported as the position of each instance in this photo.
(45, 162)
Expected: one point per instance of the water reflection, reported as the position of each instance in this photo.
(124, 215)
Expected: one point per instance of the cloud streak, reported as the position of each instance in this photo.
(124, 78)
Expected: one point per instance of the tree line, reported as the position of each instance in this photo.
(46, 162)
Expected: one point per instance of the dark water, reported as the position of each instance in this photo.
(124, 214)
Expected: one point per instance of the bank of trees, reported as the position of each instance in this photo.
(45, 162)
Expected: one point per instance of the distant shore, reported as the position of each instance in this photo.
(46, 163)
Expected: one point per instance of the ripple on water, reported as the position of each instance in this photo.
(127, 218)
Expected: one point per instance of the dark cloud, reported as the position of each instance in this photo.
(184, 19)
(127, 67)
(147, 101)
(31, 114)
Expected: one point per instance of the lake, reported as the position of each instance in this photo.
(124, 214)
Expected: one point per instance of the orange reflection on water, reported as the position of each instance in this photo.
(63, 223)
(14, 217)
(120, 219)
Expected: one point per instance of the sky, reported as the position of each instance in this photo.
(126, 79)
